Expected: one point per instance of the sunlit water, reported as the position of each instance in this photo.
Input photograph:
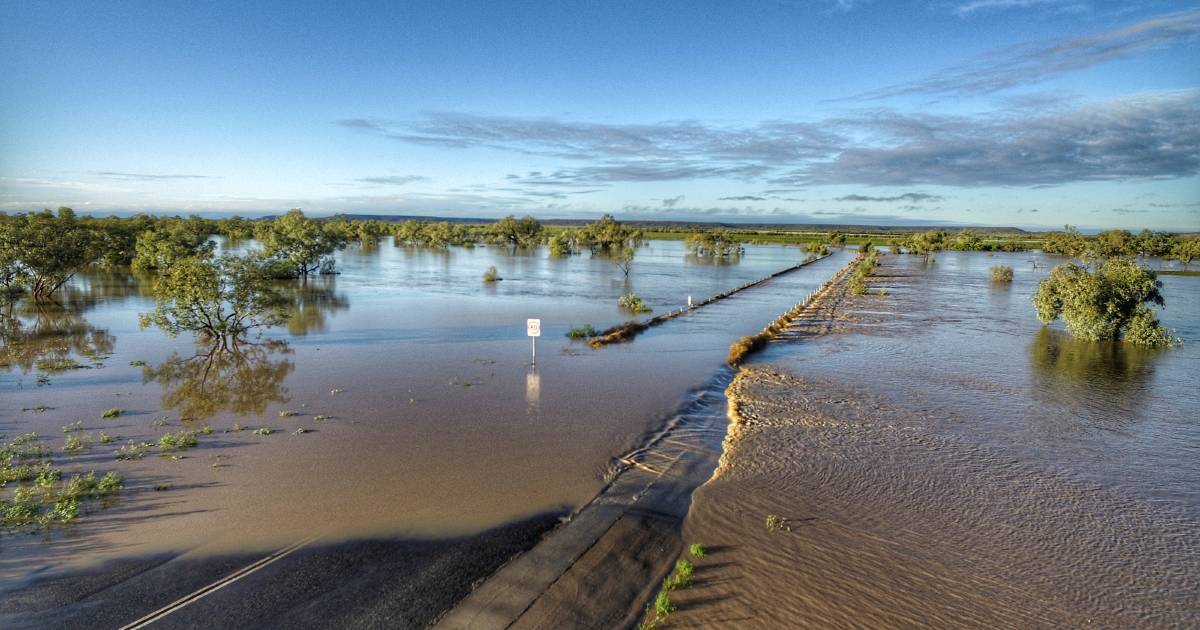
(435, 423)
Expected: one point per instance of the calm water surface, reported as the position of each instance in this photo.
(434, 423)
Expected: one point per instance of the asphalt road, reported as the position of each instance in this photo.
(380, 583)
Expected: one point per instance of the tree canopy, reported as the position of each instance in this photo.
(1109, 303)
(300, 244)
(221, 300)
(42, 250)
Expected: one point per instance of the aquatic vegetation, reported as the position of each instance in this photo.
(632, 303)
(284, 413)
(697, 550)
(582, 332)
(160, 421)
(59, 365)
(491, 275)
(105, 438)
(114, 412)
(264, 431)
(133, 450)
(682, 576)
(320, 418)
(137, 363)
(74, 426)
(181, 440)
(300, 431)
(1002, 273)
(50, 500)
(776, 523)
(663, 606)
(76, 444)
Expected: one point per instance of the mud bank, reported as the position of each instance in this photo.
(882, 519)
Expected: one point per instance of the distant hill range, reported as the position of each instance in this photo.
(684, 226)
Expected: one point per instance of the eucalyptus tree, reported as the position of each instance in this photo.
(714, 244)
(43, 250)
(927, 243)
(1108, 303)
(222, 300)
(1186, 250)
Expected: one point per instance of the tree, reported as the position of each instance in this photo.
(1113, 243)
(235, 228)
(837, 239)
(1186, 250)
(623, 260)
(1153, 243)
(927, 243)
(1069, 242)
(713, 244)
(157, 249)
(609, 236)
(1104, 304)
(43, 250)
(562, 244)
(525, 232)
(220, 300)
(300, 243)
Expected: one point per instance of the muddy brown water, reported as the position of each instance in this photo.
(939, 459)
(433, 423)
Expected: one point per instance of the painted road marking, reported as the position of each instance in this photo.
(218, 585)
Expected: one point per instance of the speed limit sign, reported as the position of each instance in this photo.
(533, 327)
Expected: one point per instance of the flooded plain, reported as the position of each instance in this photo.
(411, 378)
(937, 457)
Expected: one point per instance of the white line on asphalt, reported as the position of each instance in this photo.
(216, 586)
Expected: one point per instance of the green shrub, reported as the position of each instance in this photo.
(181, 441)
(1002, 273)
(632, 303)
(582, 332)
(697, 550)
(115, 412)
(491, 275)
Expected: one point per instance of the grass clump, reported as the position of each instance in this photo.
(697, 550)
(1002, 273)
(181, 441)
(582, 332)
(133, 450)
(632, 303)
(745, 346)
(491, 275)
(264, 431)
(73, 427)
(114, 412)
(776, 523)
(105, 438)
(284, 413)
(75, 444)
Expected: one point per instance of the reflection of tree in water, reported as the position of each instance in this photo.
(1106, 378)
(241, 381)
(311, 303)
(712, 261)
(49, 336)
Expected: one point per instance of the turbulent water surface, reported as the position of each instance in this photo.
(937, 457)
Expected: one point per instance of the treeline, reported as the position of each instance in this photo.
(1069, 242)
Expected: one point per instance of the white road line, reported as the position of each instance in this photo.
(216, 586)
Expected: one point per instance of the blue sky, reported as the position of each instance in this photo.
(990, 112)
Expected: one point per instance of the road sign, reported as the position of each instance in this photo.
(533, 327)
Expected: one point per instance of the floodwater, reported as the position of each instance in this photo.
(411, 377)
(939, 458)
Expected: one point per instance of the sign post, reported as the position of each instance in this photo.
(533, 328)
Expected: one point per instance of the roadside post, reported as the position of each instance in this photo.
(533, 328)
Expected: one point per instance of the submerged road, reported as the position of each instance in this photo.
(311, 584)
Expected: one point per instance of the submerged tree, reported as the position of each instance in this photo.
(1186, 250)
(302, 245)
(714, 244)
(220, 300)
(158, 248)
(43, 250)
(1109, 303)
(213, 382)
(524, 232)
(925, 244)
